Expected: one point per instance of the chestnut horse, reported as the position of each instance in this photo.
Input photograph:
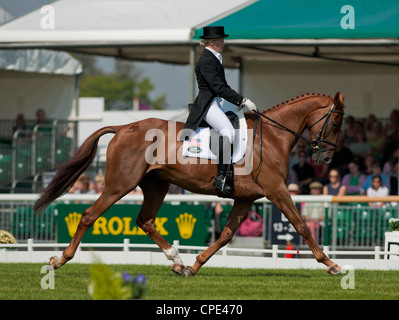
(128, 166)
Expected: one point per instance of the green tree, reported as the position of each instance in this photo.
(119, 87)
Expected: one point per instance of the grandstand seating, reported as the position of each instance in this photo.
(30, 152)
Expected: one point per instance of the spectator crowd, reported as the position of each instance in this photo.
(365, 161)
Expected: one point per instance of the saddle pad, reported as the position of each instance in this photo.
(198, 144)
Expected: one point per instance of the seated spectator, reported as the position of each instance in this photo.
(304, 171)
(368, 164)
(44, 125)
(334, 187)
(350, 129)
(341, 158)
(376, 171)
(388, 166)
(99, 182)
(82, 185)
(293, 189)
(392, 181)
(377, 189)
(294, 155)
(369, 123)
(360, 147)
(20, 125)
(313, 212)
(320, 171)
(354, 180)
(391, 129)
(316, 188)
(377, 141)
(391, 132)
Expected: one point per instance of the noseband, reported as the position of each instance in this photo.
(320, 138)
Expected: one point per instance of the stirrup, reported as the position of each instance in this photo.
(221, 184)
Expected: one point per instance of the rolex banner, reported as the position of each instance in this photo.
(174, 222)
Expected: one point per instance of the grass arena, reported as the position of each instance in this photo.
(22, 281)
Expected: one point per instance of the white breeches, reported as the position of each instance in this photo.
(218, 120)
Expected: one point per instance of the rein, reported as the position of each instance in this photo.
(315, 143)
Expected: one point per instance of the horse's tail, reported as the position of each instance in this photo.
(70, 171)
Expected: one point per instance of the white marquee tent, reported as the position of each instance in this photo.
(33, 79)
(283, 48)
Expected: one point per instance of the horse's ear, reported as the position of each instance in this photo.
(336, 98)
(342, 98)
(339, 99)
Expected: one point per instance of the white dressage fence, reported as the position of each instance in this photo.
(127, 253)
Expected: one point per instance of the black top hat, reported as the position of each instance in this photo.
(213, 33)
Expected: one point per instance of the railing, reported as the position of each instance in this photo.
(31, 152)
(342, 226)
(242, 257)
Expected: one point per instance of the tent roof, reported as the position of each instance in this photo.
(141, 30)
(166, 30)
(39, 61)
(313, 19)
(117, 22)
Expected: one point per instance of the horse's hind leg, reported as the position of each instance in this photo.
(89, 216)
(233, 221)
(154, 191)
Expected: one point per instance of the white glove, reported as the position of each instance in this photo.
(249, 104)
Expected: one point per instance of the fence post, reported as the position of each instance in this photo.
(334, 227)
(275, 254)
(176, 245)
(224, 253)
(326, 250)
(30, 250)
(377, 251)
(126, 243)
(77, 254)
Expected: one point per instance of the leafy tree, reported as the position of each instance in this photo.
(119, 87)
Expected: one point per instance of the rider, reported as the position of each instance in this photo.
(213, 87)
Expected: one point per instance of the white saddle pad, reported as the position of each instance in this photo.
(198, 144)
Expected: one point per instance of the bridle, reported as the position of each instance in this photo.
(321, 136)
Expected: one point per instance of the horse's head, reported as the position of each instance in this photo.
(324, 126)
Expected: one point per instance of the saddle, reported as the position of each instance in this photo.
(204, 141)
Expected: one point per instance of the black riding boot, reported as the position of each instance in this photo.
(224, 180)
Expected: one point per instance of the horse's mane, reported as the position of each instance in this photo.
(299, 98)
(290, 101)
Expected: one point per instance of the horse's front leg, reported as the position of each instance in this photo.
(282, 199)
(236, 216)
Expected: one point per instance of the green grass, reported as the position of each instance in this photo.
(22, 281)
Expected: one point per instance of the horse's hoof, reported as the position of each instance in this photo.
(54, 262)
(189, 272)
(334, 269)
(178, 269)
